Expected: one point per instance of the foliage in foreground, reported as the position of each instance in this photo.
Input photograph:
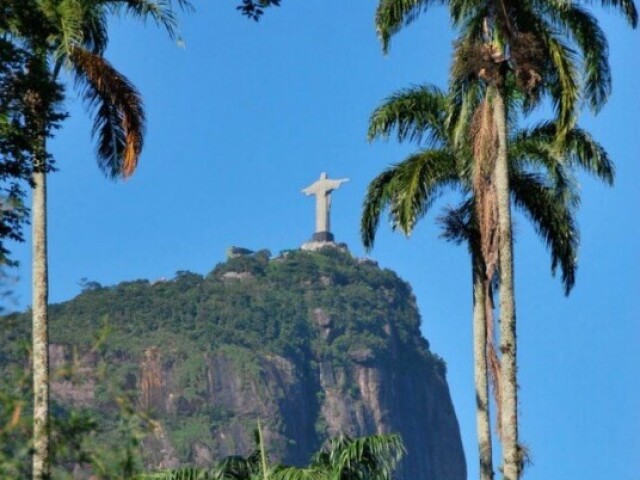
(372, 457)
(77, 434)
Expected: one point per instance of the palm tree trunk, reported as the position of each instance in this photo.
(41, 426)
(509, 384)
(480, 371)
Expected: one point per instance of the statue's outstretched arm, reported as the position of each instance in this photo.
(310, 190)
(334, 184)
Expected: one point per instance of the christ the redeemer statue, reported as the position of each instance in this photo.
(322, 189)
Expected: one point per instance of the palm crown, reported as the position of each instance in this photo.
(546, 48)
(541, 173)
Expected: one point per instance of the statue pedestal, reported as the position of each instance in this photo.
(322, 237)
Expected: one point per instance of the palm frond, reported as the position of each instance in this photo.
(469, 17)
(627, 8)
(583, 151)
(94, 35)
(583, 27)
(67, 17)
(483, 138)
(161, 12)
(237, 467)
(458, 225)
(408, 190)
(373, 457)
(553, 219)
(187, 473)
(541, 158)
(379, 197)
(119, 115)
(297, 473)
(392, 15)
(563, 83)
(413, 113)
(464, 13)
(577, 149)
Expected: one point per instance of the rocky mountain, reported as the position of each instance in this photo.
(311, 343)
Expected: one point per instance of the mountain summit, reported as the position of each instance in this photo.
(311, 343)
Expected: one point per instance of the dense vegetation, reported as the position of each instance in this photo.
(268, 309)
(248, 308)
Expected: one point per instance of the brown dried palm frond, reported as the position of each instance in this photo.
(491, 351)
(119, 116)
(528, 59)
(483, 60)
(484, 138)
(475, 60)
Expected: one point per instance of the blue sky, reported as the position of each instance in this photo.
(246, 115)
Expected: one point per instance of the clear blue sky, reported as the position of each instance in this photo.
(247, 114)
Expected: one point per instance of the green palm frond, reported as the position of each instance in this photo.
(237, 467)
(379, 197)
(392, 15)
(297, 473)
(583, 28)
(563, 80)
(583, 151)
(539, 157)
(67, 18)
(578, 149)
(161, 12)
(469, 17)
(372, 457)
(420, 180)
(178, 474)
(407, 190)
(413, 113)
(626, 7)
(553, 219)
(119, 115)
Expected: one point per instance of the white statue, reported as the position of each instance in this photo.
(322, 189)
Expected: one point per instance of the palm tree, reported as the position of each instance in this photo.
(540, 173)
(530, 45)
(373, 457)
(73, 35)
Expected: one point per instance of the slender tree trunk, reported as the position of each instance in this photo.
(480, 371)
(509, 384)
(41, 425)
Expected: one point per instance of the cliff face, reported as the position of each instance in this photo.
(313, 344)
